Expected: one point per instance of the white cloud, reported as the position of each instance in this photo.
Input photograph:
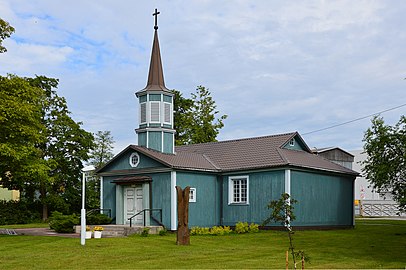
(272, 66)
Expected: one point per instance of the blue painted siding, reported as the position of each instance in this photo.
(154, 97)
(297, 145)
(167, 98)
(109, 195)
(142, 139)
(322, 199)
(205, 212)
(143, 98)
(155, 140)
(161, 195)
(123, 163)
(263, 187)
(168, 143)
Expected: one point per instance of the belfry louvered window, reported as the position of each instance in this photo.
(155, 112)
(167, 113)
(143, 112)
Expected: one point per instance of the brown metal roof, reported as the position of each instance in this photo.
(243, 154)
(156, 75)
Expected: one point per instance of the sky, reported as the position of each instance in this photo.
(271, 66)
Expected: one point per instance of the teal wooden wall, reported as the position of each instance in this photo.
(154, 97)
(161, 195)
(263, 187)
(322, 199)
(142, 139)
(109, 195)
(122, 163)
(205, 212)
(155, 140)
(168, 143)
(297, 145)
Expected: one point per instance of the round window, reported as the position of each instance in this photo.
(134, 159)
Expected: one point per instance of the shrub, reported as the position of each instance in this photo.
(98, 219)
(199, 231)
(244, 227)
(241, 227)
(163, 232)
(219, 230)
(63, 223)
(18, 212)
(145, 232)
(253, 228)
(216, 230)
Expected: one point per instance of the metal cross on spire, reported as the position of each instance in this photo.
(156, 13)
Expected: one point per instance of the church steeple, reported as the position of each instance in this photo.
(156, 105)
(156, 80)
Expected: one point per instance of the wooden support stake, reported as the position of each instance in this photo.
(287, 259)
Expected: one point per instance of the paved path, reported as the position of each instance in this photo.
(45, 232)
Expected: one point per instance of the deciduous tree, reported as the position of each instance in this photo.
(102, 150)
(42, 147)
(21, 132)
(196, 118)
(5, 32)
(385, 166)
(101, 153)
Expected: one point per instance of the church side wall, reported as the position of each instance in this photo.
(161, 196)
(263, 187)
(205, 212)
(109, 195)
(323, 199)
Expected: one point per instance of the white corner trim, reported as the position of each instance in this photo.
(101, 192)
(287, 181)
(174, 211)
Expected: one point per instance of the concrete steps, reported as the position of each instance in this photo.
(123, 230)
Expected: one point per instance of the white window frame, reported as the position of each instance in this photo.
(146, 114)
(231, 194)
(164, 113)
(192, 195)
(159, 111)
(292, 142)
(131, 160)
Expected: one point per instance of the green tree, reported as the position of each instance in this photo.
(101, 153)
(196, 118)
(6, 30)
(21, 132)
(182, 114)
(385, 166)
(282, 212)
(67, 145)
(42, 147)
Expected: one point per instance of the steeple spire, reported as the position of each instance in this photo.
(156, 75)
(155, 130)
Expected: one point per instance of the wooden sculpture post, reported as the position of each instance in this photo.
(183, 235)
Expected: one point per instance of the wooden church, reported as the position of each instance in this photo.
(230, 181)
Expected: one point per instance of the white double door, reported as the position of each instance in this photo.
(133, 204)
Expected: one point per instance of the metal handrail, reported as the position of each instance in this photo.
(108, 210)
(143, 211)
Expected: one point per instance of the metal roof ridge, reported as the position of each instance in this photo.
(212, 163)
(241, 139)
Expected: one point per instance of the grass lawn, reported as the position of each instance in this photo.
(372, 244)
